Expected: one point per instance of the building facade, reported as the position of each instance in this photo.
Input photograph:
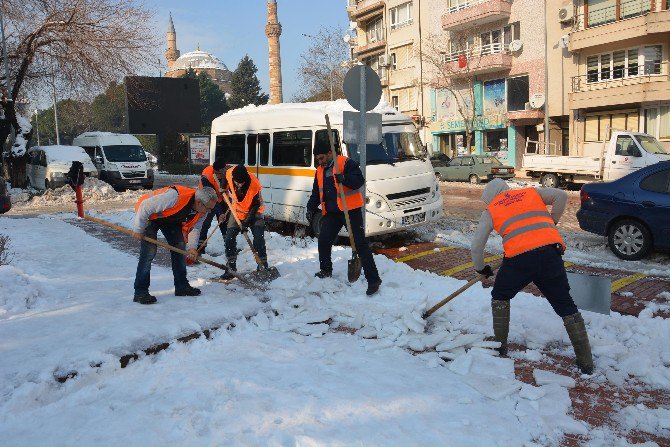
(614, 59)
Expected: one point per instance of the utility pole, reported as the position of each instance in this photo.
(53, 84)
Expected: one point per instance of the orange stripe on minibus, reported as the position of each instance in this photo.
(296, 172)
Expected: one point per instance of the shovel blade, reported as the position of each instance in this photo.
(354, 268)
(262, 276)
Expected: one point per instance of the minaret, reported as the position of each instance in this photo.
(172, 53)
(273, 31)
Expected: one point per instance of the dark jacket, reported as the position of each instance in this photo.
(353, 179)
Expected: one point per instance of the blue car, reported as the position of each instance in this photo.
(633, 211)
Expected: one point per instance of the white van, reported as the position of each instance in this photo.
(120, 159)
(48, 166)
(275, 142)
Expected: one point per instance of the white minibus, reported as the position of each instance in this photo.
(275, 142)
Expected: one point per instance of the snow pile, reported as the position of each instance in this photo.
(282, 376)
(19, 292)
(640, 418)
(93, 190)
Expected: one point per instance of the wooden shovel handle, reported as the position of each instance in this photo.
(168, 246)
(469, 284)
(342, 197)
(218, 224)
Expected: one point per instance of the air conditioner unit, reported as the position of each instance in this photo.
(383, 61)
(527, 106)
(565, 15)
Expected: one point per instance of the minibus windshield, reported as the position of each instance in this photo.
(119, 153)
(395, 147)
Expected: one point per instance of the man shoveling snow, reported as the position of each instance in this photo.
(533, 253)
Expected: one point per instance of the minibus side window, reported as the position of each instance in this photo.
(251, 150)
(292, 148)
(321, 140)
(230, 148)
(264, 149)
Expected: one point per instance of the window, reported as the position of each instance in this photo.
(657, 182)
(624, 63)
(251, 150)
(292, 148)
(401, 15)
(625, 146)
(468, 161)
(595, 127)
(456, 161)
(394, 62)
(634, 8)
(321, 140)
(394, 102)
(375, 30)
(230, 148)
(601, 12)
(264, 148)
(517, 93)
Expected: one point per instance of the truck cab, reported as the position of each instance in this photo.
(630, 151)
(119, 158)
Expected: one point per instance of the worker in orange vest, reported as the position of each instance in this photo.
(325, 193)
(247, 204)
(214, 176)
(173, 210)
(533, 253)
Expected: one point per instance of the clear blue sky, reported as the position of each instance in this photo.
(229, 29)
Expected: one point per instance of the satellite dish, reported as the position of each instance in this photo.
(515, 46)
(537, 100)
(347, 38)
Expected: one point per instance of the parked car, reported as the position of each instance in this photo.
(5, 200)
(48, 166)
(439, 160)
(473, 169)
(633, 211)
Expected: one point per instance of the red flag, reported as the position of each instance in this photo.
(462, 61)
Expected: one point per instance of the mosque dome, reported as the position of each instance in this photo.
(198, 60)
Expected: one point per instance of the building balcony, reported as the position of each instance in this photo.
(480, 60)
(525, 117)
(370, 49)
(475, 13)
(605, 29)
(363, 10)
(588, 91)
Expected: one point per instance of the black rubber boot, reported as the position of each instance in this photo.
(188, 291)
(232, 266)
(321, 274)
(500, 310)
(574, 325)
(373, 287)
(145, 298)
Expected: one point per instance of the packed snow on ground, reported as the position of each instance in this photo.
(283, 375)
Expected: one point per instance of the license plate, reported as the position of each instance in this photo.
(134, 181)
(413, 219)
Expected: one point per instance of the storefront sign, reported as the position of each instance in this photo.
(494, 97)
(479, 123)
(199, 147)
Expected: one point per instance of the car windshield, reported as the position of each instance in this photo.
(490, 161)
(124, 152)
(651, 144)
(395, 147)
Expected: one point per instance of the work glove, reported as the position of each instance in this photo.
(309, 215)
(339, 178)
(486, 272)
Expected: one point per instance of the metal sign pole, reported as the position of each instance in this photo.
(362, 137)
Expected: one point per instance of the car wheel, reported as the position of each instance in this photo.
(549, 181)
(315, 224)
(149, 186)
(438, 176)
(46, 183)
(474, 179)
(629, 240)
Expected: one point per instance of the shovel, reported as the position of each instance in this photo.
(354, 265)
(242, 279)
(204, 243)
(263, 274)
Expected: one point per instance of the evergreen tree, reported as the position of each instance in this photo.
(245, 86)
(212, 100)
(74, 118)
(108, 110)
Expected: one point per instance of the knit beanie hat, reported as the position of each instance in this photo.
(240, 174)
(219, 164)
(321, 149)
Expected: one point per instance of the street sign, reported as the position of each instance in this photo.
(352, 124)
(352, 87)
(199, 148)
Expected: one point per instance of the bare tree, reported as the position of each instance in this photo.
(76, 46)
(452, 66)
(323, 66)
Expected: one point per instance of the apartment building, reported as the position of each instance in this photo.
(610, 69)
(388, 36)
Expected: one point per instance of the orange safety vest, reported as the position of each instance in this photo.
(241, 209)
(521, 218)
(353, 197)
(186, 195)
(208, 173)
